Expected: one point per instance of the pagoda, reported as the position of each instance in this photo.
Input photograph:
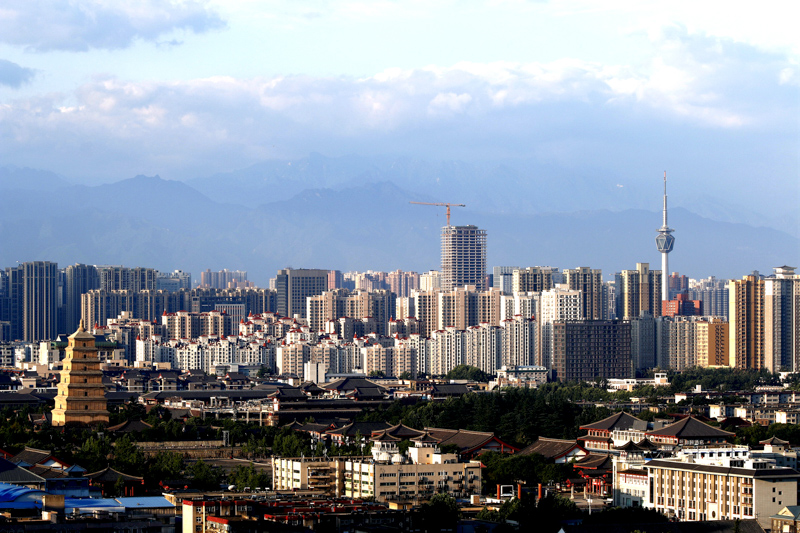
(81, 398)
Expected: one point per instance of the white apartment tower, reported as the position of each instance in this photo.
(463, 257)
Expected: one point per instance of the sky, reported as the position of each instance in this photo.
(102, 90)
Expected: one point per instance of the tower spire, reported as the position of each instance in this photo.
(664, 242)
(665, 198)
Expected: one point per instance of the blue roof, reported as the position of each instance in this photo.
(19, 497)
(89, 504)
(147, 502)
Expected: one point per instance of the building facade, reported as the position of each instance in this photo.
(463, 257)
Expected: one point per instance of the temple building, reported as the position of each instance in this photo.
(81, 396)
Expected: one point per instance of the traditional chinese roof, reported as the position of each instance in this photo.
(109, 475)
(426, 438)
(364, 428)
(774, 441)
(621, 420)
(31, 456)
(383, 436)
(12, 473)
(595, 462)
(466, 441)
(629, 446)
(551, 448)
(690, 428)
(348, 384)
(129, 426)
(81, 333)
(401, 431)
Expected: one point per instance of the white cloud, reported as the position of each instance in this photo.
(46, 25)
(487, 108)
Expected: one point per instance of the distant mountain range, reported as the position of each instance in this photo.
(226, 223)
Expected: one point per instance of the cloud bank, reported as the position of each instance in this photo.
(13, 75)
(717, 110)
(48, 25)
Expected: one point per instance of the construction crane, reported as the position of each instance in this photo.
(441, 204)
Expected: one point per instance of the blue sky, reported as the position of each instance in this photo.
(103, 90)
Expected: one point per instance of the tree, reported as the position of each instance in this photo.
(204, 477)
(247, 476)
(166, 466)
(440, 513)
(405, 375)
(127, 456)
(470, 373)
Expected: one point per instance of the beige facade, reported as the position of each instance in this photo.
(638, 290)
(590, 282)
(386, 476)
(716, 484)
(81, 395)
(746, 316)
(531, 279)
(712, 342)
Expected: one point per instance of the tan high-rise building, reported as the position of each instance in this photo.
(590, 283)
(638, 290)
(712, 342)
(81, 398)
(746, 317)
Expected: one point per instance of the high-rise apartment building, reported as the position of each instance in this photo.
(39, 300)
(590, 282)
(339, 303)
(120, 278)
(80, 279)
(463, 257)
(503, 278)
(294, 285)
(173, 281)
(222, 279)
(558, 303)
(532, 279)
(712, 342)
(746, 318)
(782, 320)
(713, 293)
(638, 290)
(584, 350)
(402, 283)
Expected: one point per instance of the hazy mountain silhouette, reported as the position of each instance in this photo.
(368, 225)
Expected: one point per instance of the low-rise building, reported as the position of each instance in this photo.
(386, 476)
(719, 483)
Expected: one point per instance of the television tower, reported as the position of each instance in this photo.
(664, 242)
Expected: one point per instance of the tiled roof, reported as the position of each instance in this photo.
(402, 431)
(348, 384)
(464, 439)
(550, 448)
(621, 420)
(31, 456)
(109, 475)
(690, 428)
(12, 473)
(595, 462)
(364, 428)
(129, 426)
